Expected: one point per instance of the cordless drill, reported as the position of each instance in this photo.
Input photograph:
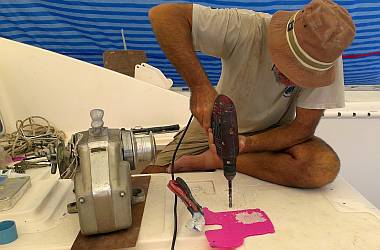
(225, 132)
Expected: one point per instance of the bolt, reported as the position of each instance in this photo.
(81, 200)
(122, 194)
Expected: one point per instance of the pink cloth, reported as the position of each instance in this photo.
(236, 225)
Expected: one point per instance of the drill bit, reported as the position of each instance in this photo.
(230, 193)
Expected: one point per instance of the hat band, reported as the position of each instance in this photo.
(302, 56)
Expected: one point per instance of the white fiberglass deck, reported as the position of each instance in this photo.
(334, 217)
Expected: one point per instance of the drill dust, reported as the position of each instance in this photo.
(249, 218)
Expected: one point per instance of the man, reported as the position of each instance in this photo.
(281, 72)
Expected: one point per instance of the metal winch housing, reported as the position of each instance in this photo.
(103, 186)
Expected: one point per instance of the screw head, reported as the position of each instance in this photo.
(81, 200)
(122, 194)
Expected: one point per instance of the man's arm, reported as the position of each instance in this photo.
(298, 131)
(172, 24)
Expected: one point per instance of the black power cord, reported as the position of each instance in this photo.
(172, 173)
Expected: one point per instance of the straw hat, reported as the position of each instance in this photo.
(305, 44)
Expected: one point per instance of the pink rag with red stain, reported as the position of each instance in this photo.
(236, 225)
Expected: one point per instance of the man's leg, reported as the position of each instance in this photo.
(194, 143)
(310, 164)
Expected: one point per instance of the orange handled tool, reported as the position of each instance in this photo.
(182, 190)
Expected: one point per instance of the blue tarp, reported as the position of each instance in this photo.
(84, 29)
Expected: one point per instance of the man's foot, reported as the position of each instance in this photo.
(208, 160)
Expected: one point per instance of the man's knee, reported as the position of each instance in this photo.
(318, 167)
(320, 172)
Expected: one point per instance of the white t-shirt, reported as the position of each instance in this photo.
(238, 37)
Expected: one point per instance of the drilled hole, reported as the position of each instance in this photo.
(354, 114)
(369, 114)
(339, 114)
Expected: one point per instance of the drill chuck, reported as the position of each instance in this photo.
(229, 171)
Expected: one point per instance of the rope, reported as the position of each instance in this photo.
(32, 134)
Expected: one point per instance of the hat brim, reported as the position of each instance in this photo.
(286, 62)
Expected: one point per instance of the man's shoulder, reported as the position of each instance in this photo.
(240, 11)
(244, 32)
(253, 23)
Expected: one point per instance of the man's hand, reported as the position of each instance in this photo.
(301, 129)
(201, 104)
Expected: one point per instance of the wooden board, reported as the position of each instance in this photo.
(123, 61)
(120, 239)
